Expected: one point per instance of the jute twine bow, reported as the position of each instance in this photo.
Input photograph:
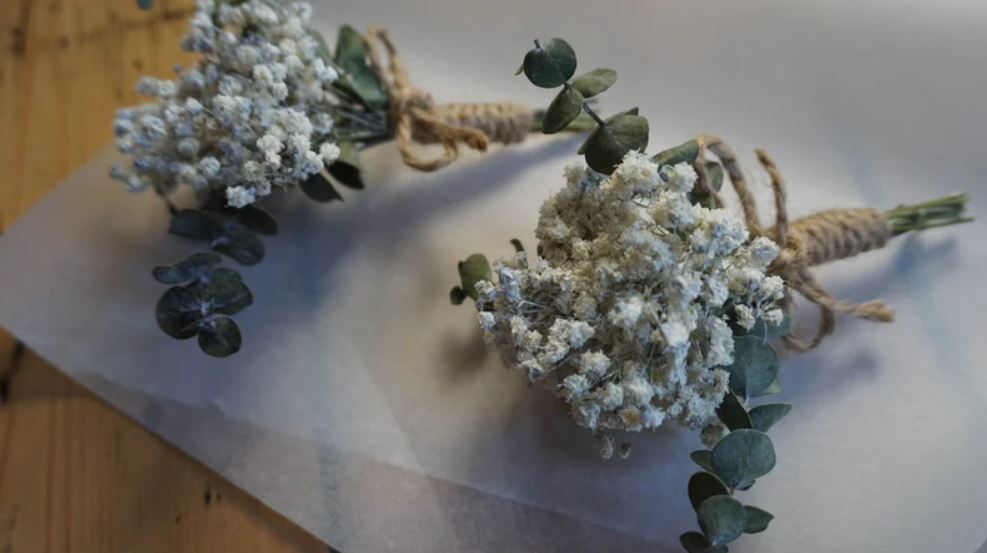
(417, 119)
(805, 242)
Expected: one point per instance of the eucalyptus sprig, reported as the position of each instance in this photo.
(746, 453)
(552, 64)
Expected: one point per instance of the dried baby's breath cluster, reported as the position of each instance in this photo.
(254, 113)
(625, 310)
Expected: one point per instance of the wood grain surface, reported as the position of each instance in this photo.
(75, 474)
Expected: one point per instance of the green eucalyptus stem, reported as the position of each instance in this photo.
(940, 212)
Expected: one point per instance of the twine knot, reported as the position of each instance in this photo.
(417, 119)
(808, 241)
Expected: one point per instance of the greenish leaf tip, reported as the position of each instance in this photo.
(595, 82)
(564, 109)
(457, 295)
(704, 485)
(694, 542)
(317, 187)
(763, 417)
(721, 518)
(732, 413)
(518, 246)
(474, 269)
(757, 520)
(774, 388)
(702, 458)
(686, 152)
(754, 368)
(742, 457)
(195, 224)
(550, 64)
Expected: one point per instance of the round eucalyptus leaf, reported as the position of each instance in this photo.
(473, 270)
(227, 295)
(457, 295)
(686, 152)
(257, 219)
(318, 188)
(763, 417)
(694, 542)
(714, 175)
(177, 311)
(757, 520)
(550, 64)
(742, 457)
(220, 337)
(566, 106)
(606, 147)
(704, 485)
(239, 243)
(701, 457)
(582, 147)
(192, 267)
(195, 224)
(774, 388)
(721, 518)
(596, 81)
(754, 367)
(732, 413)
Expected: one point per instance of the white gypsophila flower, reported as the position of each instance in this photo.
(625, 311)
(254, 113)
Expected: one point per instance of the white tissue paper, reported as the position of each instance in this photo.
(363, 405)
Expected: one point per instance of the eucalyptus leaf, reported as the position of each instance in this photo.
(177, 311)
(239, 243)
(193, 267)
(518, 246)
(457, 295)
(195, 224)
(763, 417)
(596, 81)
(473, 270)
(747, 486)
(694, 542)
(257, 219)
(704, 485)
(318, 188)
(732, 413)
(607, 145)
(742, 456)
(220, 337)
(757, 520)
(351, 57)
(702, 458)
(550, 64)
(227, 295)
(754, 367)
(566, 106)
(721, 518)
(323, 46)
(632, 111)
(714, 175)
(226, 273)
(347, 169)
(774, 388)
(686, 152)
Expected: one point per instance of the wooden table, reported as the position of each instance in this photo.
(75, 474)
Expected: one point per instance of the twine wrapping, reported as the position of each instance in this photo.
(417, 119)
(805, 242)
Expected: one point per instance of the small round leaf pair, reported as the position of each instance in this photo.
(550, 64)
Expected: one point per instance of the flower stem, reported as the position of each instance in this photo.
(940, 212)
